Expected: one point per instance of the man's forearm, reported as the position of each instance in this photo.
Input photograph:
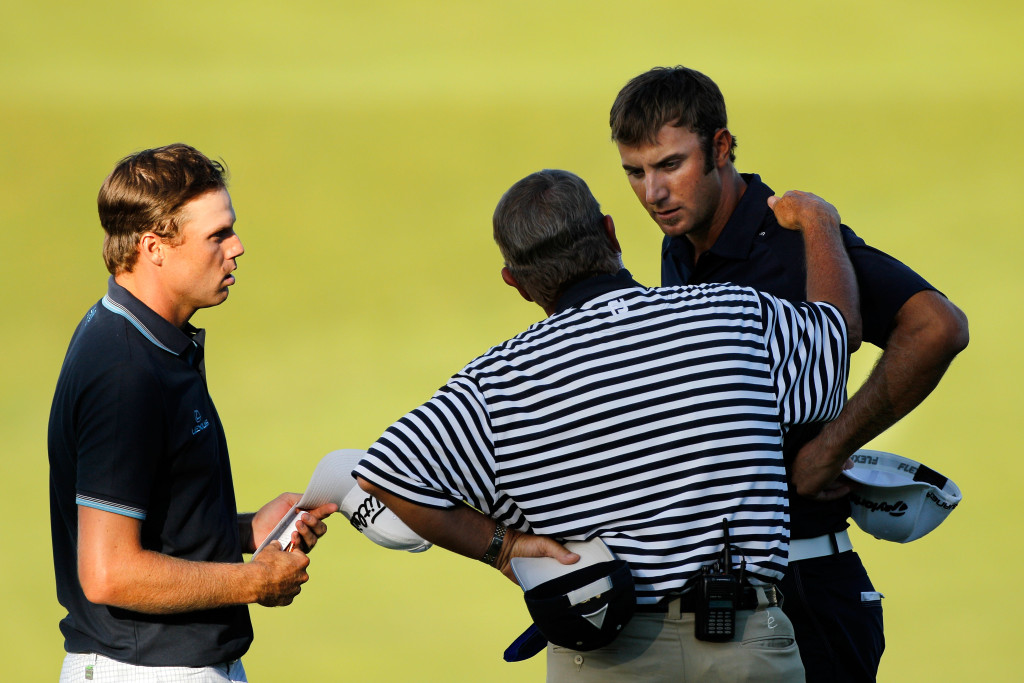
(469, 532)
(830, 277)
(929, 332)
(154, 583)
(114, 569)
(460, 529)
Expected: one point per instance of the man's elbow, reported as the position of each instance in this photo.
(854, 336)
(368, 487)
(98, 582)
(956, 330)
(946, 331)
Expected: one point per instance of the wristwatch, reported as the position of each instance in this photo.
(491, 556)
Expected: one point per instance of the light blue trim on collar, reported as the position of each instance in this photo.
(120, 310)
(96, 503)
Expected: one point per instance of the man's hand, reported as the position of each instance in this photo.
(308, 529)
(800, 211)
(280, 575)
(518, 544)
(816, 472)
(830, 275)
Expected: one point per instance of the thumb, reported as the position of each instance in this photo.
(560, 552)
(772, 201)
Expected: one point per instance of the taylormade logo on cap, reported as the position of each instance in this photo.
(897, 509)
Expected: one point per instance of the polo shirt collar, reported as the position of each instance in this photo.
(579, 293)
(160, 332)
(737, 237)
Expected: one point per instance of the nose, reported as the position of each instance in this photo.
(655, 191)
(234, 247)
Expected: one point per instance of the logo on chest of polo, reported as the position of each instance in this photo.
(201, 422)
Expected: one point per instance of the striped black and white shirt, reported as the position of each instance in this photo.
(643, 416)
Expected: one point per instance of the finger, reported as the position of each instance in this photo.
(324, 511)
(290, 498)
(772, 201)
(529, 545)
(270, 549)
(315, 524)
(307, 530)
(832, 493)
(563, 554)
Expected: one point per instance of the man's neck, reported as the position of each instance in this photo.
(148, 291)
(733, 187)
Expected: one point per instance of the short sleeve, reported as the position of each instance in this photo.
(439, 453)
(807, 347)
(885, 284)
(120, 441)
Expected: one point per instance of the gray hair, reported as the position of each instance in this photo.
(550, 230)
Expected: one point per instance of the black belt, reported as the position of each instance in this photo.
(688, 600)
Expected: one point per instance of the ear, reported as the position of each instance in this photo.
(721, 144)
(506, 275)
(151, 248)
(609, 229)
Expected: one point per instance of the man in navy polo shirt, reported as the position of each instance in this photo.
(147, 543)
(670, 128)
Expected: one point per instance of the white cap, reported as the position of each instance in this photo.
(583, 605)
(367, 514)
(533, 571)
(898, 499)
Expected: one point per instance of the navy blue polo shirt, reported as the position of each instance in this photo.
(133, 431)
(754, 250)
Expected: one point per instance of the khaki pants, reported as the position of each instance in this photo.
(662, 648)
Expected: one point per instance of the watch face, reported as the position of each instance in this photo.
(491, 555)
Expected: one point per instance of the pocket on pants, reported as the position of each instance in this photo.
(767, 629)
(871, 599)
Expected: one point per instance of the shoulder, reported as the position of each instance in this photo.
(105, 349)
(707, 294)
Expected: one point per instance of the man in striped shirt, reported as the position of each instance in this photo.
(640, 416)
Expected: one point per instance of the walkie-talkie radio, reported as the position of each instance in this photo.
(718, 595)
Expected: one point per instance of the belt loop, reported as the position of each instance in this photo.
(675, 610)
(762, 598)
(834, 542)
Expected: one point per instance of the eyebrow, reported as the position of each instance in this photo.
(675, 156)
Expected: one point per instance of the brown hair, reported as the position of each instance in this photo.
(550, 231)
(146, 192)
(675, 96)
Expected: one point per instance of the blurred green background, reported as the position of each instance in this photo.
(368, 144)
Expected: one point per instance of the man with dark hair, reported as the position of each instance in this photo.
(641, 417)
(147, 543)
(671, 130)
